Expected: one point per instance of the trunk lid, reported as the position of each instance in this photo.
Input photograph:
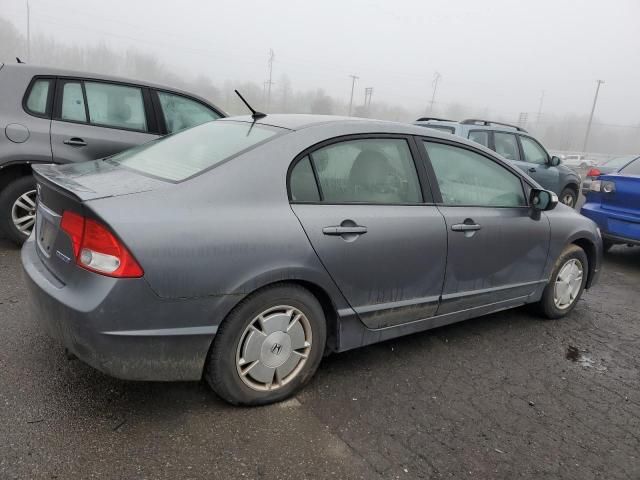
(97, 179)
(626, 197)
(69, 187)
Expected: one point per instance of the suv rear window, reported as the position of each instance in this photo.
(187, 153)
(37, 101)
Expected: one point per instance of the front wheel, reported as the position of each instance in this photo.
(567, 283)
(268, 347)
(18, 209)
(569, 197)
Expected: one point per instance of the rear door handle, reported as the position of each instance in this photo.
(465, 227)
(340, 230)
(75, 142)
(532, 169)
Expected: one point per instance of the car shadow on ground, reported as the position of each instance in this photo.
(623, 257)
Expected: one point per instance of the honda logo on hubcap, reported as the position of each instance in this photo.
(276, 349)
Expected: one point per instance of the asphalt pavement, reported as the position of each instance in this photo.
(500, 397)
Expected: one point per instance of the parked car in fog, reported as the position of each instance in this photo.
(60, 116)
(613, 202)
(610, 166)
(517, 146)
(244, 249)
(578, 161)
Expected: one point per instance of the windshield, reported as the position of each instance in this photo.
(182, 155)
(619, 162)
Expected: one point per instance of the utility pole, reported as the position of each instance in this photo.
(368, 93)
(353, 84)
(593, 109)
(436, 79)
(269, 82)
(28, 33)
(540, 109)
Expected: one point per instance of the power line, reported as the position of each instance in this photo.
(353, 84)
(593, 109)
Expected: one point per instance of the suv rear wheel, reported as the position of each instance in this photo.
(569, 197)
(18, 209)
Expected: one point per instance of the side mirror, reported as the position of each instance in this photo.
(555, 161)
(543, 200)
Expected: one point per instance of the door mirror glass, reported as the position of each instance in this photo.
(543, 200)
(555, 161)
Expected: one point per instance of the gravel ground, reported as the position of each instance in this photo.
(503, 396)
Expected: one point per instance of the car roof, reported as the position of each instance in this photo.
(295, 121)
(61, 72)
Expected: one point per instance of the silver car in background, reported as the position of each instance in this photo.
(50, 115)
(243, 250)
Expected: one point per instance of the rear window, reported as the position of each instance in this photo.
(619, 161)
(632, 169)
(182, 155)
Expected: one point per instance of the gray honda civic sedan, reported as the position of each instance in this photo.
(243, 250)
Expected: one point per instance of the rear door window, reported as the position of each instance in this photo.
(118, 106)
(303, 183)
(73, 107)
(37, 100)
(506, 145)
(480, 136)
(367, 171)
(181, 112)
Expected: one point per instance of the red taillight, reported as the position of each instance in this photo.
(594, 172)
(97, 249)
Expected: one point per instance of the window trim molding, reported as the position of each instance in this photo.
(423, 180)
(436, 188)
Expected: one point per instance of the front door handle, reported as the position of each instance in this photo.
(340, 230)
(75, 142)
(465, 227)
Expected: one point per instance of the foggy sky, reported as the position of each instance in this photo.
(499, 54)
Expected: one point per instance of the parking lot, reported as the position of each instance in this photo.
(503, 396)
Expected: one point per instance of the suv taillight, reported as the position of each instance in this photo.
(95, 248)
(593, 172)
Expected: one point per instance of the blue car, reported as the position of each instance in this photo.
(613, 202)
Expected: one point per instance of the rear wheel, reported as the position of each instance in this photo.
(569, 197)
(567, 283)
(268, 347)
(18, 209)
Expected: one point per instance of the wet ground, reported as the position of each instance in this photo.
(500, 397)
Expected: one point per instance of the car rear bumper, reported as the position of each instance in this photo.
(119, 326)
(615, 226)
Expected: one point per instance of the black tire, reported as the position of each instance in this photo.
(221, 372)
(547, 305)
(569, 192)
(8, 196)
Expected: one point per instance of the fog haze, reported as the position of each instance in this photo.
(495, 57)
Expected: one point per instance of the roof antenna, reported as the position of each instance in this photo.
(18, 60)
(254, 114)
